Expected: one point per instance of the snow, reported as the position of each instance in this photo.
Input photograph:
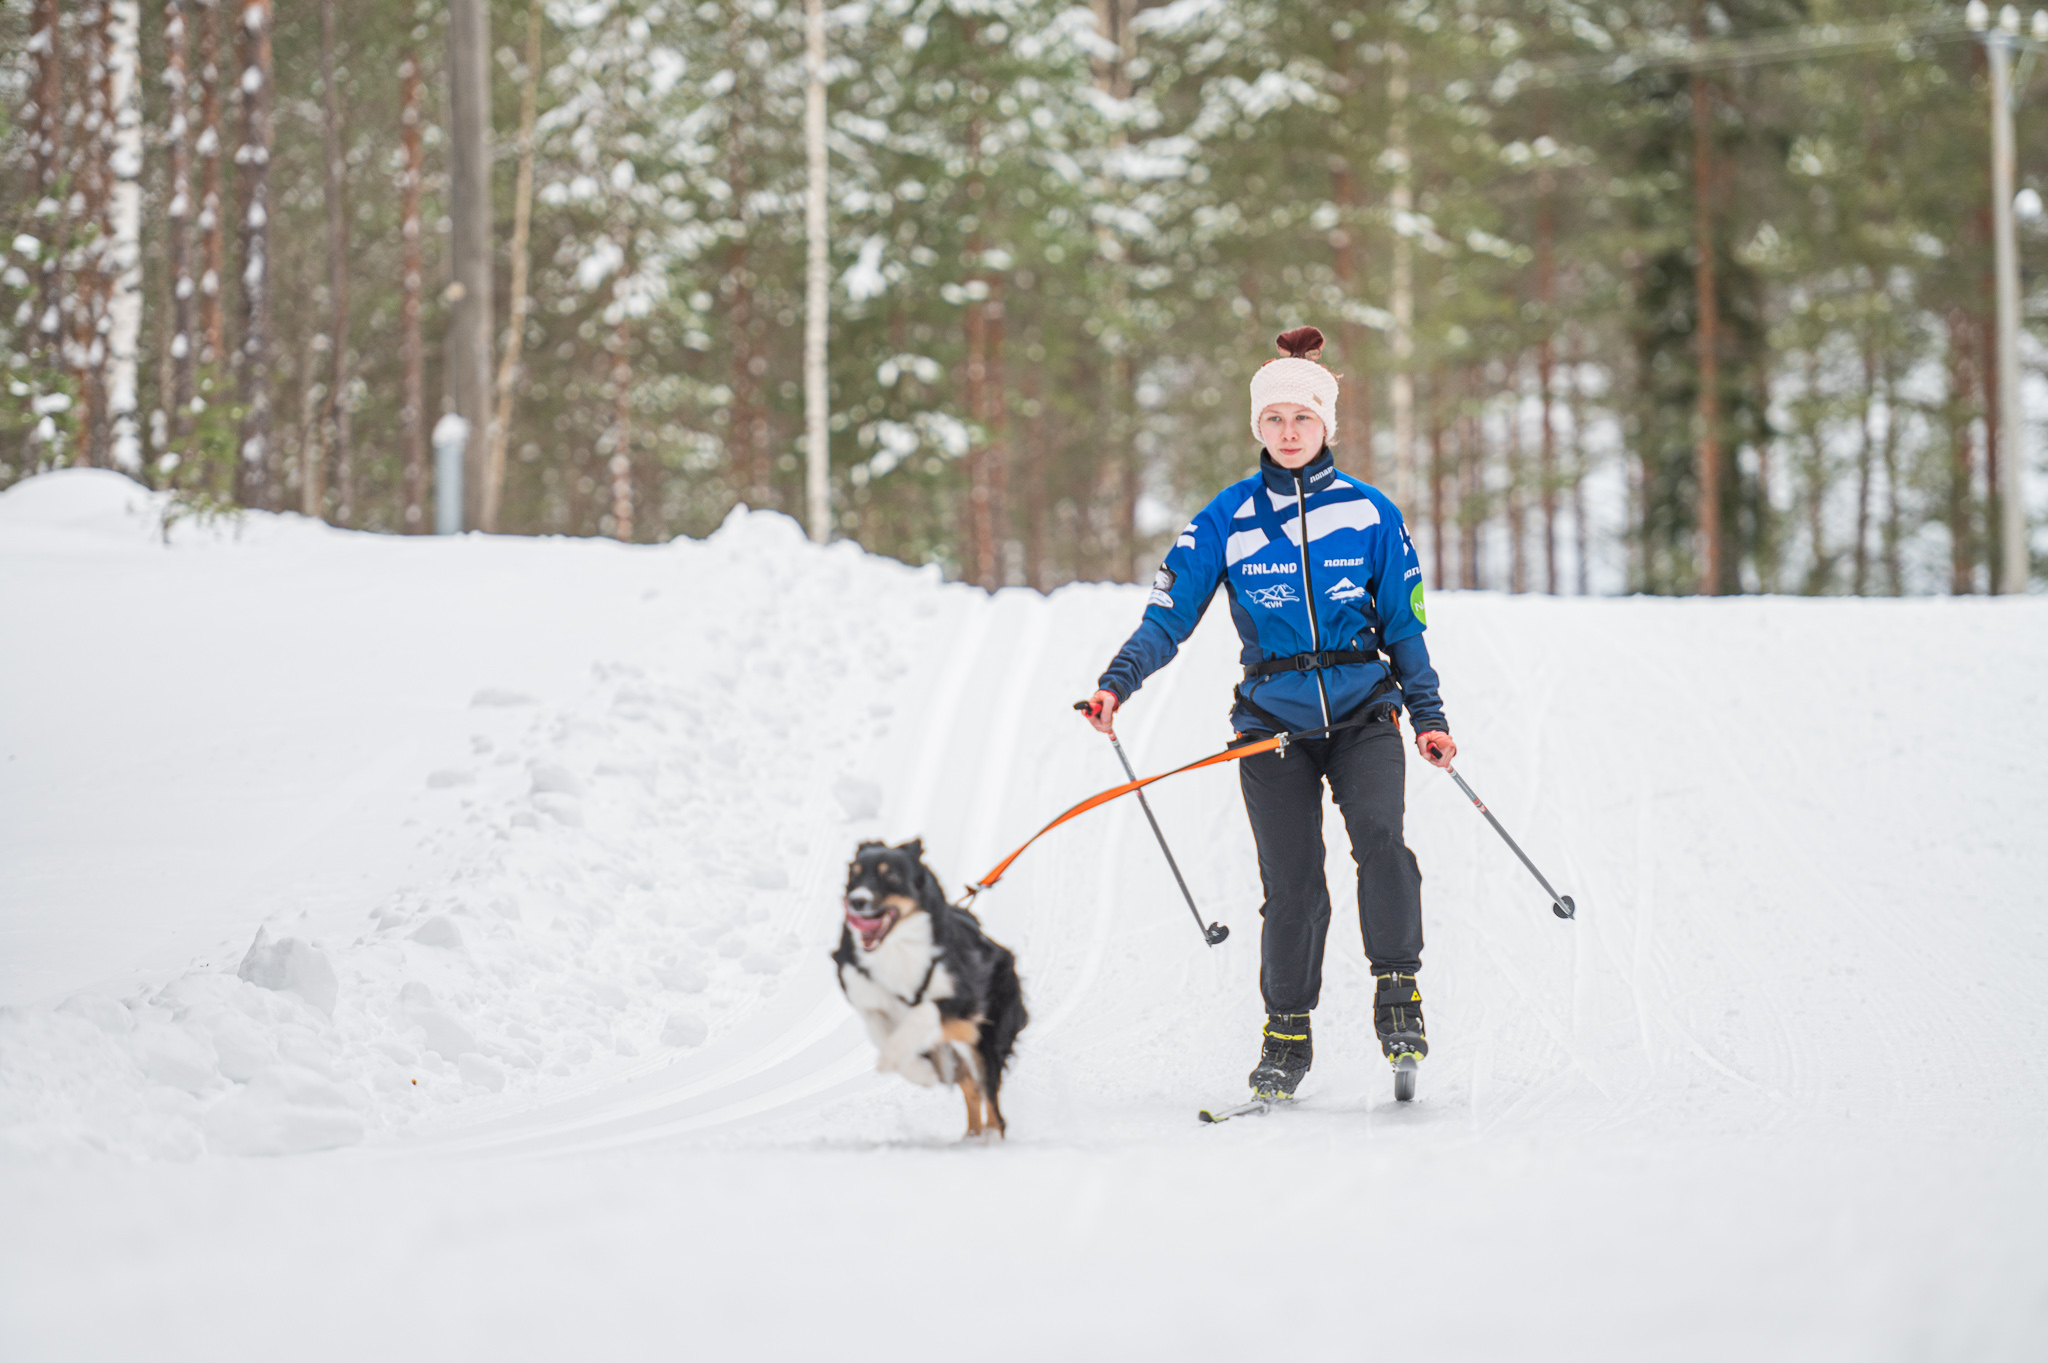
(417, 947)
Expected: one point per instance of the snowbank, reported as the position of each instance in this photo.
(576, 863)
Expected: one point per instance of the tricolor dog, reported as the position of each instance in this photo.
(940, 1000)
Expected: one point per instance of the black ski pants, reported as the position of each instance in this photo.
(1284, 798)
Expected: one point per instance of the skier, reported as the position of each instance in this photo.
(1332, 627)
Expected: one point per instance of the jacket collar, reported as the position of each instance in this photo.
(1318, 475)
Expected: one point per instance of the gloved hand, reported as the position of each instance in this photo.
(1101, 712)
(1437, 748)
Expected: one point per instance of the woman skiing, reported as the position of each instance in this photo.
(1332, 623)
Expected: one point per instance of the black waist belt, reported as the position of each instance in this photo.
(1308, 662)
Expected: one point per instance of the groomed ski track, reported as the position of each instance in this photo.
(1776, 1093)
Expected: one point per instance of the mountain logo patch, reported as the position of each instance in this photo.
(1344, 589)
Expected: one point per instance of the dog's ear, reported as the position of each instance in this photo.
(866, 845)
(914, 849)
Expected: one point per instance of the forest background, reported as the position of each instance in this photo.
(1061, 237)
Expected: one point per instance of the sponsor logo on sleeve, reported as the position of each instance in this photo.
(1415, 605)
(1345, 590)
(1275, 596)
(1343, 563)
(1162, 587)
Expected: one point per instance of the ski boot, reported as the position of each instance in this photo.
(1284, 1058)
(1397, 1017)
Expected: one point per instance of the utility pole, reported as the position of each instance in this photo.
(515, 330)
(1402, 202)
(2009, 574)
(1120, 476)
(817, 395)
(469, 320)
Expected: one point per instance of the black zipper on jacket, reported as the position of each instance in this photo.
(1308, 588)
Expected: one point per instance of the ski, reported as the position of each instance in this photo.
(1259, 1105)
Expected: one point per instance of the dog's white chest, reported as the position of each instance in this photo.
(891, 978)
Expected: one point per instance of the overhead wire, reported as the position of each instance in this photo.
(1778, 45)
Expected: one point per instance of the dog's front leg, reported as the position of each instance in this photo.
(877, 1023)
(906, 1052)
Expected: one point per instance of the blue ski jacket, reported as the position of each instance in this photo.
(1355, 586)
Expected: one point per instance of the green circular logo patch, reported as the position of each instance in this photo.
(1415, 604)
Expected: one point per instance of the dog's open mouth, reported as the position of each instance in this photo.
(870, 922)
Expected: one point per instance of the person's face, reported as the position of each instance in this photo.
(1292, 433)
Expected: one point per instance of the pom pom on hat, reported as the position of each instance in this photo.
(1297, 379)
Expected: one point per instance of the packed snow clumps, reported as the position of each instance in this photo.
(595, 881)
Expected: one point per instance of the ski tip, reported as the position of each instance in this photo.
(1224, 1114)
(1242, 1110)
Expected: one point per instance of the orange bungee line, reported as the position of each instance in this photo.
(1103, 798)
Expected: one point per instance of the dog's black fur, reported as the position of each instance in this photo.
(941, 1000)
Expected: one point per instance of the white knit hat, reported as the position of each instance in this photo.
(1297, 379)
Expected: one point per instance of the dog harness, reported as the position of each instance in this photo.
(922, 985)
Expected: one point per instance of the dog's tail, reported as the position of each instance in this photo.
(1006, 1018)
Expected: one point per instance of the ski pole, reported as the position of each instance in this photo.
(1215, 932)
(1560, 904)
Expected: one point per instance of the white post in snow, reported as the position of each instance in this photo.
(124, 262)
(451, 439)
(817, 396)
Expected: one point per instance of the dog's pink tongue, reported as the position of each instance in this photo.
(868, 929)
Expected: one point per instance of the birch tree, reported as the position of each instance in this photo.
(124, 221)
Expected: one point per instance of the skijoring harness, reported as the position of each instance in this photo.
(1375, 706)
(1309, 662)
